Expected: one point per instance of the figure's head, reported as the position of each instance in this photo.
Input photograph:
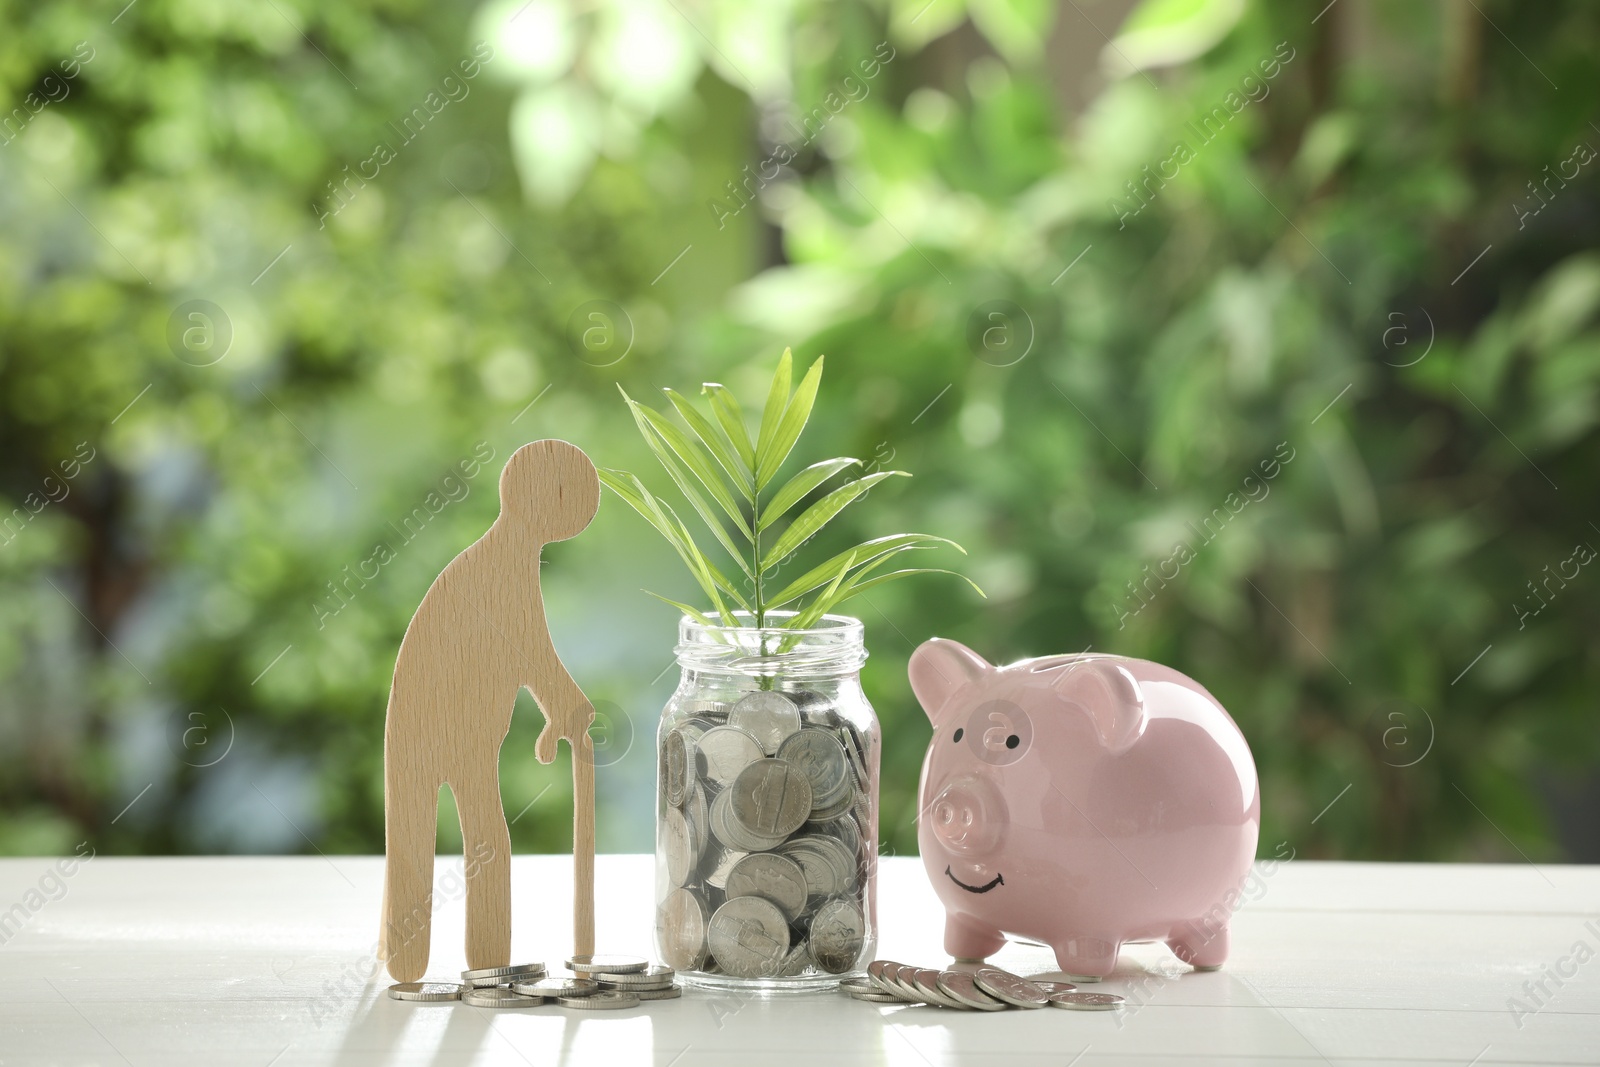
(550, 488)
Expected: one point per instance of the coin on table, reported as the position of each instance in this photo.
(925, 980)
(958, 985)
(678, 759)
(558, 987)
(610, 999)
(499, 997)
(838, 931)
(878, 979)
(727, 750)
(863, 989)
(485, 977)
(671, 992)
(769, 716)
(652, 977)
(1054, 987)
(771, 798)
(749, 937)
(774, 877)
(681, 929)
(1011, 988)
(1086, 1001)
(679, 841)
(588, 964)
(901, 975)
(427, 991)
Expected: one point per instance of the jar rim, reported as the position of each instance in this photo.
(836, 646)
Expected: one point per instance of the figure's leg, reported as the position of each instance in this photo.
(967, 939)
(1087, 959)
(487, 844)
(410, 809)
(1202, 945)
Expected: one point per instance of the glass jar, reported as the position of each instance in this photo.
(767, 808)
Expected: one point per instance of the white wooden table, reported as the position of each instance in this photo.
(269, 961)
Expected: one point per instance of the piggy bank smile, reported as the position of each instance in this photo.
(984, 888)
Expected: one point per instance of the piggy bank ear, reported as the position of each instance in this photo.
(1110, 696)
(938, 668)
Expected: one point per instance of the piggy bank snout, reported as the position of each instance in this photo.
(968, 815)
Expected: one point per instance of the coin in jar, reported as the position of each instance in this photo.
(681, 929)
(679, 845)
(771, 798)
(1003, 985)
(838, 931)
(818, 755)
(749, 937)
(768, 715)
(769, 875)
(727, 750)
(678, 757)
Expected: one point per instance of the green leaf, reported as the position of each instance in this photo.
(690, 455)
(681, 479)
(694, 613)
(730, 416)
(866, 552)
(772, 414)
(665, 520)
(817, 515)
(770, 458)
(808, 615)
(892, 575)
(797, 487)
(716, 443)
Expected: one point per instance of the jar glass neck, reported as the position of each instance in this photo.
(832, 646)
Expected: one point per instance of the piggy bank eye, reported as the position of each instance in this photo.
(956, 737)
(1001, 732)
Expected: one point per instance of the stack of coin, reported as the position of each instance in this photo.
(763, 858)
(597, 983)
(983, 989)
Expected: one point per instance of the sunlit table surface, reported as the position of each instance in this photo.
(269, 961)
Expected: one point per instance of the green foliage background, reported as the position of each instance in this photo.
(1350, 272)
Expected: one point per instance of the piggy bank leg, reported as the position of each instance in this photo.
(1202, 945)
(1087, 958)
(967, 939)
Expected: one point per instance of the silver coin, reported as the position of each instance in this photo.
(749, 937)
(498, 997)
(1010, 988)
(608, 1000)
(718, 863)
(427, 991)
(925, 980)
(700, 706)
(859, 984)
(900, 974)
(588, 965)
(880, 981)
(671, 992)
(728, 830)
(958, 985)
(652, 977)
(774, 877)
(678, 766)
(838, 931)
(679, 845)
(771, 798)
(681, 929)
(486, 977)
(769, 716)
(1086, 1001)
(558, 987)
(1054, 987)
(830, 870)
(727, 750)
(698, 811)
(818, 755)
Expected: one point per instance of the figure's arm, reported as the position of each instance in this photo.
(567, 712)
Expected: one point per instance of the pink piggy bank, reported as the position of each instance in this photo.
(1084, 802)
